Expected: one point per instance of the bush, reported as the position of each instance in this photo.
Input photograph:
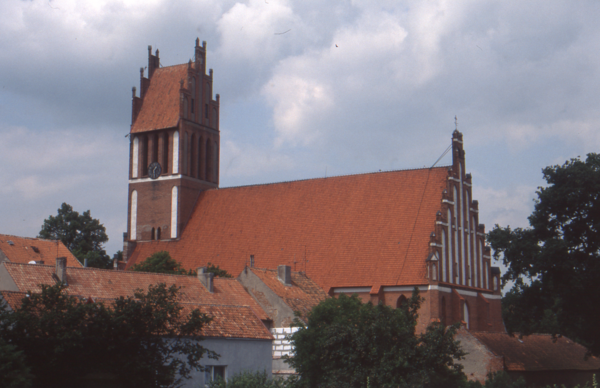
(252, 380)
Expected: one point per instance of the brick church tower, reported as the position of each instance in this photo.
(174, 150)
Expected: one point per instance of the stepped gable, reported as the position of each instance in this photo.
(25, 249)
(160, 107)
(538, 352)
(347, 231)
(301, 296)
(111, 284)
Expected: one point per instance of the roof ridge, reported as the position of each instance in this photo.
(333, 176)
(28, 238)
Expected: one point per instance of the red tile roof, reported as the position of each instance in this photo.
(160, 107)
(301, 296)
(347, 231)
(110, 284)
(26, 249)
(228, 321)
(538, 352)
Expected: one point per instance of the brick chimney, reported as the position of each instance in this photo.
(61, 269)
(284, 274)
(206, 278)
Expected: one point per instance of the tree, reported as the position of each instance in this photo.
(14, 372)
(83, 235)
(248, 379)
(347, 343)
(555, 263)
(148, 340)
(161, 262)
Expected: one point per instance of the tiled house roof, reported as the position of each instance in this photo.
(110, 284)
(160, 108)
(346, 231)
(228, 321)
(538, 352)
(24, 249)
(301, 296)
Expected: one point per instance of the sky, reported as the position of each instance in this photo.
(308, 89)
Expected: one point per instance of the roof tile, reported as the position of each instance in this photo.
(26, 249)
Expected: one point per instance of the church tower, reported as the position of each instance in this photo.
(174, 147)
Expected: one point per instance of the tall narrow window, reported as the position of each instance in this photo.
(134, 157)
(216, 163)
(185, 153)
(201, 159)
(158, 233)
(444, 276)
(165, 160)
(176, 152)
(466, 314)
(174, 202)
(144, 152)
(133, 215)
(401, 302)
(450, 252)
(443, 312)
(153, 234)
(194, 156)
(209, 160)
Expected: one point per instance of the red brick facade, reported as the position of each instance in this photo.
(378, 235)
(175, 123)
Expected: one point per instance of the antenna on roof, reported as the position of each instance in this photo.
(455, 122)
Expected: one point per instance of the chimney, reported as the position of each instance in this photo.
(284, 274)
(206, 278)
(61, 269)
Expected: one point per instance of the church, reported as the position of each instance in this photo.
(378, 235)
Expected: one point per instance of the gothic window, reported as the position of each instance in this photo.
(186, 143)
(401, 302)
(165, 159)
(158, 233)
(444, 276)
(153, 234)
(185, 108)
(465, 313)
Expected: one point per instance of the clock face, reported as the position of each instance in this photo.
(154, 170)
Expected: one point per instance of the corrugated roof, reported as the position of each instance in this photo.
(538, 352)
(301, 296)
(110, 284)
(347, 231)
(160, 106)
(25, 249)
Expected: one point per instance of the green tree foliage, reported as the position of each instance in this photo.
(161, 262)
(555, 263)
(14, 372)
(219, 273)
(144, 341)
(347, 341)
(83, 235)
(252, 380)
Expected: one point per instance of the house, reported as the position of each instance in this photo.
(284, 295)
(378, 235)
(539, 358)
(24, 250)
(237, 332)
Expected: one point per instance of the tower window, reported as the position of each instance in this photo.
(153, 236)
(251, 261)
(158, 234)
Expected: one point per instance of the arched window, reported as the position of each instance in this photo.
(465, 314)
(185, 108)
(153, 235)
(158, 233)
(401, 302)
(186, 142)
(165, 155)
